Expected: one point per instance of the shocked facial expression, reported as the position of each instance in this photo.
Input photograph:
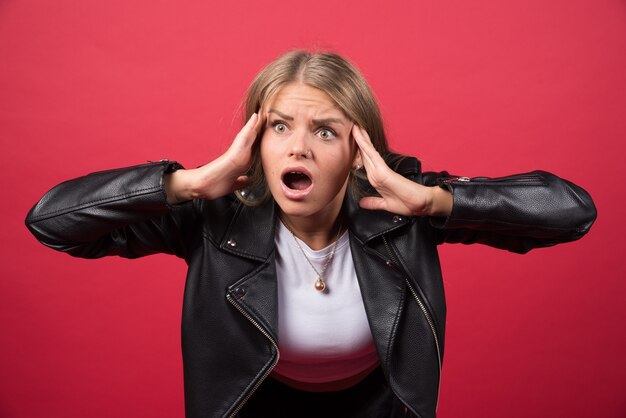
(307, 151)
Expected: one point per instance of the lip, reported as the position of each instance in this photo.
(296, 194)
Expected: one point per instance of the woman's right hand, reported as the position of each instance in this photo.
(221, 176)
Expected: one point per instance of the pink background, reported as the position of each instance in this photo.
(475, 87)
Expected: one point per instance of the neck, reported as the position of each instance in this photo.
(317, 233)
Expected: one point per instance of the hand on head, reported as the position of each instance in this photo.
(221, 176)
(397, 193)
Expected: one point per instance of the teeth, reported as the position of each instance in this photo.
(296, 180)
(297, 173)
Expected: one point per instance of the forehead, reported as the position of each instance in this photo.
(299, 98)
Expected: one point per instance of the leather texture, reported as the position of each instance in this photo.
(230, 316)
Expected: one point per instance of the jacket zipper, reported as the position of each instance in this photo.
(451, 179)
(268, 371)
(429, 319)
(523, 179)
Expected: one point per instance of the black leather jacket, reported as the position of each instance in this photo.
(230, 320)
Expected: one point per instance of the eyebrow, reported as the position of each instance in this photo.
(327, 121)
(316, 122)
(281, 114)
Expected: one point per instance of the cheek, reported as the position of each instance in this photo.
(337, 171)
(268, 158)
(265, 151)
(343, 158)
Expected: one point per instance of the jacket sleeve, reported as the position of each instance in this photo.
(116, 212)
(517, 213)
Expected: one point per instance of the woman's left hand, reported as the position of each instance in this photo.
(398, 194)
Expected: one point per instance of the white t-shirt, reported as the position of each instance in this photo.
(322, 336)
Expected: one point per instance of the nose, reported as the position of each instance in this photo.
(299, 147)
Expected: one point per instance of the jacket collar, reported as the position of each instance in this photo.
(251, 231)
(367, 224)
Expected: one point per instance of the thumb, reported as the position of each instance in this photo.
(240, 183)
(373, 203)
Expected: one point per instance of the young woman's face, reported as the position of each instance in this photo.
(307, 151)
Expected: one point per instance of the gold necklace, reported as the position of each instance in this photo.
(320, 284)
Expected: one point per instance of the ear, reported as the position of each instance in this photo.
(357, 163)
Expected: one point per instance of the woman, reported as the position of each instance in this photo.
(314, 285)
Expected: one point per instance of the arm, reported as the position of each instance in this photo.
(116, 212)
(132, 211)
(517, 213)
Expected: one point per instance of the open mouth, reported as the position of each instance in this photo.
(296, 180)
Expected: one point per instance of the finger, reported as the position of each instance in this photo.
(250, 128)
(248, 133)
(366, 146)
(252, 121)
(366, 137)
(261, 119)
(358, 136)
(362, 138)
(241, 183)
(373, 203)
(372, 160)
(363, 145)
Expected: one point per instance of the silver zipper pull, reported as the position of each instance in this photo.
(451, 179)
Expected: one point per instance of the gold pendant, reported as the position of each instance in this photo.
(320, 285)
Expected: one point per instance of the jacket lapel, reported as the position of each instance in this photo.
(251, 235)
(382, 286)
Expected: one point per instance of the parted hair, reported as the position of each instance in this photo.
(335, 76)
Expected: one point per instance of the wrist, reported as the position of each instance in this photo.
(441, 202)
(179, 186)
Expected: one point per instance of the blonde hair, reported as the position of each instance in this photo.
(343, 83)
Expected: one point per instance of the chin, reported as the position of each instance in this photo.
(297, 208)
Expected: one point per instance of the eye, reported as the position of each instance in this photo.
(279, 126)
(326, 134)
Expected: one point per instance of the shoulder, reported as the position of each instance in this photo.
(222, 216)
(404, 164)
(215, 215)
